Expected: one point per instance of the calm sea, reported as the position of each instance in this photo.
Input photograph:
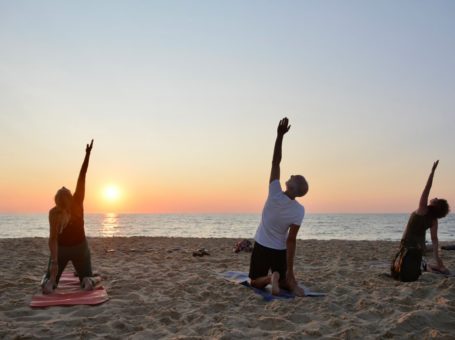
(315, 226)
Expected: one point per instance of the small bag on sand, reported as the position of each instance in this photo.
(243, 245)
(406, 266)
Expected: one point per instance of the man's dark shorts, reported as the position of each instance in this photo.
(264, 259)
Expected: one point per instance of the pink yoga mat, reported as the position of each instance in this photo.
(69, 293)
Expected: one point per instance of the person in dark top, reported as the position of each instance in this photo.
(407, 264)
(67, 240)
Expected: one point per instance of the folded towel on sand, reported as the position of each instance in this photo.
(243, 279)
(69, 293)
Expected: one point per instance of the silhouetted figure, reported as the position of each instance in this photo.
(408, 263)
(67, 241)
(275, 240)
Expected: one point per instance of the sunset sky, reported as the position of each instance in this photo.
(183, 98)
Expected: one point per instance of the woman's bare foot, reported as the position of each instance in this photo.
(437, 269)
(47, 287)
(275, 283)
(90, 282)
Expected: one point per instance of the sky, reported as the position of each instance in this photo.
(183, 98)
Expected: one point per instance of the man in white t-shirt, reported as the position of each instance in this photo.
(275, 240)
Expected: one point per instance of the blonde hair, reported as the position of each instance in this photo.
(62, 200)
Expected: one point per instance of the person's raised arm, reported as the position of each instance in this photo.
(79, 194)
(423, 203)
(283, 127)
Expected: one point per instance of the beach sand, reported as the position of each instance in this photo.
(158, 289)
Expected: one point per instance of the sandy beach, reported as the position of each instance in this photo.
(158, 289)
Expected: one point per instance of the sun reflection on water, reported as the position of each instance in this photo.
(110, 225)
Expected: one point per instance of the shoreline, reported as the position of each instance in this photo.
(397, 242)
(158, 289)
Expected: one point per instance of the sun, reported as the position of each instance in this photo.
(111, 193)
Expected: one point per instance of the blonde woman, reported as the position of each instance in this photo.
(67, 241)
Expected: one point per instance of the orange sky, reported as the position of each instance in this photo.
(242, 190)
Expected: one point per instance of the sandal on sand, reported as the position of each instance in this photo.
(201, 252)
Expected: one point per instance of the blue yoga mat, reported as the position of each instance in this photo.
(243, 279)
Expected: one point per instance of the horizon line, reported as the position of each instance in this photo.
(205, 212)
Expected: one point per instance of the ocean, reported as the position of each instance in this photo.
(315, 226)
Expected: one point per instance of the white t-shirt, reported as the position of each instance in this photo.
(278, 214)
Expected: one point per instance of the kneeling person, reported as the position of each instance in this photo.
(275, 240)
(407, 264)
(67, 241)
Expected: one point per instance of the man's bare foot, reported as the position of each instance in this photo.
(298, 291)
(275, 283)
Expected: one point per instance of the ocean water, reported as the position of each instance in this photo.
(315, 226)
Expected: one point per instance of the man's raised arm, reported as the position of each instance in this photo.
(79, 194)
(283, 127)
